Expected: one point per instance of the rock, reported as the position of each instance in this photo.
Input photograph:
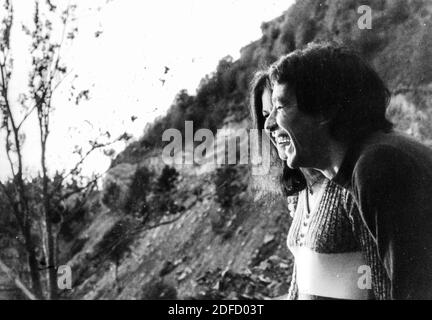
(249, 290)
(184, 274)
(225, 272)
(216, 286)
(247, 272)
(167, 268)
(264, 279)
(280, 289)
(178, 261)
(232, 296)
(268, 238)
(275, 259)
(190, 201)
(263, 265)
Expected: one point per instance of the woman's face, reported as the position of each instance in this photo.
(296, 135)
(267, 110)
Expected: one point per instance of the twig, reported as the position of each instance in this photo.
(70, 193)
(26, 116)
(94, 147)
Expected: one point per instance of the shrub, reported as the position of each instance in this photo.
(150, 198)
(286, 42)
(229, 183)
(167, 180)
(136, 199)
(162, 201)
(115, 243)
(306, 32)
(111, 195)
(275, 33)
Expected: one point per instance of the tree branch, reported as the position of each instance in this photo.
(94, 147)
(78, 190)
(26, 116)
(60, 81)
(8, 146)
(18, 283)
(57, 59)
(11, 118)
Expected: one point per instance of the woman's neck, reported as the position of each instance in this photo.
(333, 161)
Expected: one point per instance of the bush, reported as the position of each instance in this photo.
(167, 180)
(111, 195)
(286, 42)
(306, 33)
(150, 198)
(275, 33)
(136, 199)
(229, 183)
(115, 243)
(162, 200)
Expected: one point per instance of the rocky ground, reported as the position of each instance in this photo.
(202, 254)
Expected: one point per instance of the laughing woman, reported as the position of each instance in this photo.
(335, 258)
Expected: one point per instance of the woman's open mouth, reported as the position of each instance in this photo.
(282, 139)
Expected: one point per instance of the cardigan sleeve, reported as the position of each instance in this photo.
(379, 279)
(391, 201)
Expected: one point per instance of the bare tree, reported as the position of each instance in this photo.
(13, 142)
(47, 72)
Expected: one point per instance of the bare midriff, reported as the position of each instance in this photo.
(335, 275)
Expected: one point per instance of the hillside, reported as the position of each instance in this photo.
(200, 232)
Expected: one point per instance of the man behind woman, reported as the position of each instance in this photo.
(331, 245)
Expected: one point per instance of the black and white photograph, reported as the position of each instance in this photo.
(245, 152)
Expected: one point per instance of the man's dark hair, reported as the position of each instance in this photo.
(335, 82)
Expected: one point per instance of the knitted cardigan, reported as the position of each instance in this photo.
(336, 227)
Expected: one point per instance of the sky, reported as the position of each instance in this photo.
(124, 66)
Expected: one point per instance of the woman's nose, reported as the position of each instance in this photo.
(270, 124)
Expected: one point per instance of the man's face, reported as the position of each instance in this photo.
(297, 136)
